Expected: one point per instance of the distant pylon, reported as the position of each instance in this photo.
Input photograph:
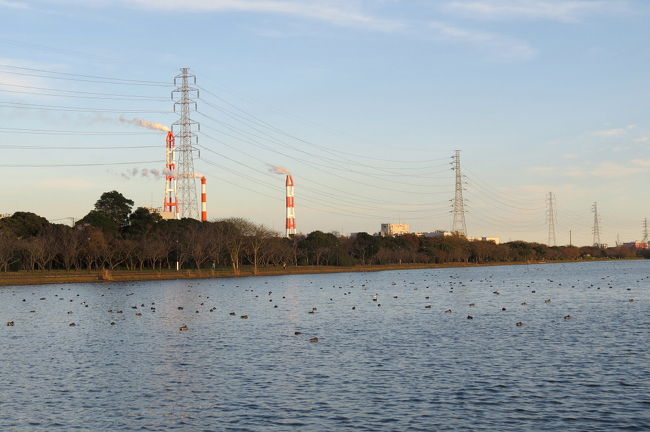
(458, 225)
(551, 218)
(291, 207)
(645, 230)
(184, 101)
(596, 228)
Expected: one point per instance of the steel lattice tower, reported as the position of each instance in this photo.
(596, 228)
(645, 230)
(458, 225)
(551, 219)
(184, 98)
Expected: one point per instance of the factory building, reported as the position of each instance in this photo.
(636, 245)
(391, 230)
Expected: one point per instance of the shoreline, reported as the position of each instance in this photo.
(83, 276)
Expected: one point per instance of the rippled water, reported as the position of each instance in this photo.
(390, 364)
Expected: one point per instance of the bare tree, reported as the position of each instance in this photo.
(257, 236)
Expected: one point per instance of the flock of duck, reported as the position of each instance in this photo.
(140, 309)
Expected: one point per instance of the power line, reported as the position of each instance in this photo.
(33, 147)
(68, 132)
(77, 164)
(124, 80)
(156, 98)
(22, 105)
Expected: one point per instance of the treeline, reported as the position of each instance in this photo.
(112, 236)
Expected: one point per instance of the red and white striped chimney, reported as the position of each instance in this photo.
(204, 200)
(291, 207)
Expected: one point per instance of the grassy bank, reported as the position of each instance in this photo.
(62, 276)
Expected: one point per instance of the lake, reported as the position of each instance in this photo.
(396, 351)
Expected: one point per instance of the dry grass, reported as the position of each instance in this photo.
(62, 276)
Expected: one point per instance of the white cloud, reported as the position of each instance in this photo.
(555, 10)
(645, 163)
(613, 132)
(13, 4)
(543, 169)
(610, 170)
(495, 44)
(340, 13)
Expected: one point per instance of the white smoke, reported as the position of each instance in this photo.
(279, 170)
(151, 173)
(144, 123)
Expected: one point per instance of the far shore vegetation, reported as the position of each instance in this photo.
(114, 242)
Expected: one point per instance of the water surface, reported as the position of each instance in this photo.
(393, 364)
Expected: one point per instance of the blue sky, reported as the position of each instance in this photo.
(364, 101)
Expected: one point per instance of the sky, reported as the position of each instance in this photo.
(364, 101)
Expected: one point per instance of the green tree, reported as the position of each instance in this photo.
(365, 247)
(25, 224)
(111, 212)
(116, 206)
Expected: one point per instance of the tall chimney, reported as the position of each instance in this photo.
(291, 208)
(170, 207)
(204, 200)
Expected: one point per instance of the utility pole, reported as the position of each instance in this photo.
(645, 230)
(551, 219)
(184, 98)
(570, 238)
(458, 225)
(596, 228)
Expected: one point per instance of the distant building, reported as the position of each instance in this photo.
(390, 230)
(495, 240)
(438, 233)
(154, 210)
(636, 245)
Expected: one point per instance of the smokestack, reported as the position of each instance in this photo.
(204, 200)
(291, 207)
(170, 209)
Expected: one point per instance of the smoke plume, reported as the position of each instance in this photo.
(142, 172)
(144, 123)
(279, 170)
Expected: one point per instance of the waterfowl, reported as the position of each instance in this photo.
(470, 317)
(11, 324)
(314, 339)
(232, 314)
(448, 311)
(567, 317)
(427, 307)
(183, 328)
(72, 325)
(519, 324)
(244, 317)
(547, 301)
(297, 333)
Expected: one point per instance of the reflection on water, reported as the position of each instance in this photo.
(390, 364)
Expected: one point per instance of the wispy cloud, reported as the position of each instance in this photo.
(555, 10)
(339, 13)
(610, 170)
(613, 132)
(13, 4)
(493, 44)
